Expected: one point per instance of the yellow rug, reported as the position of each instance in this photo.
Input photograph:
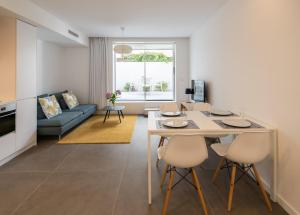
(94, 131)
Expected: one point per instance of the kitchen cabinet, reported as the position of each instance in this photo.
(23, 42)
(7, 145)
(26, 123)
(26, 60)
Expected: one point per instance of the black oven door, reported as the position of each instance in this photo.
(7, 122)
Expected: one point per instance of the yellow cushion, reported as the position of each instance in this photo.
(50, 106)
(70, 100)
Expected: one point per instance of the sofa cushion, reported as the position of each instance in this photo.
(84, 108)
(50, 106)
(40, 112)
(71, 100)
(60, 99)
(59, 120)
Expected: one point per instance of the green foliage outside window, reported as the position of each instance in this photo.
(129, 87)
(162, 86)
(148, 57)
(126, 88)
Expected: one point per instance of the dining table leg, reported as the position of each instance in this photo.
(149, 171)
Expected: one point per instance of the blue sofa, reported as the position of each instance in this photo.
(62, 123)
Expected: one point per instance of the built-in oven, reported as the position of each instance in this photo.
(7, 118)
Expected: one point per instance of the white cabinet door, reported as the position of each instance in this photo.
(26, 60)
(26, 123)
(7, 145)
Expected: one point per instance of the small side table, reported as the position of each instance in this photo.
(119, 110)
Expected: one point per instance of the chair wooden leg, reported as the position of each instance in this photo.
(164, 176)
(258, 179)
(161, 142)
(232, 180)
(218, 169)
(199, 191)
(168, 194)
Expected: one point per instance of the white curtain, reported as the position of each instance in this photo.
(98, 77)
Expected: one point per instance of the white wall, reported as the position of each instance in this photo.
(76, 71)
(50, 67)
(61, 68)
(248, 52)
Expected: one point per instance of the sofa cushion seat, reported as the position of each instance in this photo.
(84, 108)
(59, 120)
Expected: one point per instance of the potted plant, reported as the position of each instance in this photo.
(146, 88)
(112, 96)
(127, 87)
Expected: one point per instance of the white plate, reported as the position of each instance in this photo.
(221, 112)
(177, 113)
(240, 123)
(175, 123)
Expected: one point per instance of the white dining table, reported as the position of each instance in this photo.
(207, 127)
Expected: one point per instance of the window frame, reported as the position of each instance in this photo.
(173, 72)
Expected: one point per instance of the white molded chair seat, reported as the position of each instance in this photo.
(169, 107)
(220, 149)
(247, 149)
(185, 151)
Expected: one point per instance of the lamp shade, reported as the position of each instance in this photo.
(189, 91)
(122, 49)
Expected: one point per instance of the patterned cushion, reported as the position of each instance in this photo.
(50, 106)
(70, 100)
(61, 100)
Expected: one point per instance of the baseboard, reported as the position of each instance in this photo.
(281, 201)
(286, 206)
(12, 156)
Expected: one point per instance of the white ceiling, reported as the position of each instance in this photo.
(141, 18)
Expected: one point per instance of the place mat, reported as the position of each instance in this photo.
(191, 125)
(253, 125)
(158, 114)
(207, 113)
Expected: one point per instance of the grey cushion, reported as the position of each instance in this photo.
(84, 108)
(40, 112)
(59, 120)
(60, 99)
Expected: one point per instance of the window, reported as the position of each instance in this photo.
(146, 74)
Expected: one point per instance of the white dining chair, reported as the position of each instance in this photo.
(243, 153)
(166, 107)
(201, 106)
(187, 151)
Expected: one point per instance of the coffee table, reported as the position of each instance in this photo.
(108, 109)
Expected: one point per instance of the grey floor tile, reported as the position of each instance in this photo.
(79, 193)
(93, 157)
(39, 158)
(15, 187)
